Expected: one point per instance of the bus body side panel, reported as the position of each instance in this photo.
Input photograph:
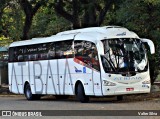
(97, 83)
(13, 86)
(59, 77)
(36, 77)
(43, 77)
(18, 74)
(63, 73)
(83, 73)
(51, 76)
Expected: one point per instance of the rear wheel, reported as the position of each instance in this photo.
(81, 94)
(29, 95)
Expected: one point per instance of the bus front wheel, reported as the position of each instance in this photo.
(81, 94)
(29, 95)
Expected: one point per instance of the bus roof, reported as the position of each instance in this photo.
(92, 34)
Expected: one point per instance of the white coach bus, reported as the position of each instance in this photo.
(97, 61)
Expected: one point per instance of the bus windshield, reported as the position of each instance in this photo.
(124, 55)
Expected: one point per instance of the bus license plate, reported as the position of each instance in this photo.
(129, 89)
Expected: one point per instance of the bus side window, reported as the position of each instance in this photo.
(14, 58)
(26, 57)
(51, 51)
(87, 52)
(78, 49)
(11, 54)
(64, 49)
(20, 57)
(42, 49)
(59, 53)
(95, 61)
(18, 54)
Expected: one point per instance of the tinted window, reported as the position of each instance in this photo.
(11, 54)
(87, 53)
(43, 51)
(64, 49)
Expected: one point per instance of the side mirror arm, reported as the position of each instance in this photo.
(150, 44)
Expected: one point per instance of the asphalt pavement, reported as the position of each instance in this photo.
(151, 101)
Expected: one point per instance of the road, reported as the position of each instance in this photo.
(139, 102)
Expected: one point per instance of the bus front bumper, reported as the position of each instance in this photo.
(124, 90)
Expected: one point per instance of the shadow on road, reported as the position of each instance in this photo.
(127, 99)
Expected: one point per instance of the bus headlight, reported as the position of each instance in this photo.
(108, 83)
(146, 82)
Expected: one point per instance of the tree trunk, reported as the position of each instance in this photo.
(27, 26)
(89, 19)
(1, 22)
(29, 11)
(76, 23)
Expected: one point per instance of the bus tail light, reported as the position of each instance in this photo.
(108, 83)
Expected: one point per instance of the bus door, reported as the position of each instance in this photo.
(96, 75)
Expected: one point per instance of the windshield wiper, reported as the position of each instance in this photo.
(113, 68)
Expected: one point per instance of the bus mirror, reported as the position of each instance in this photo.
(150, 44)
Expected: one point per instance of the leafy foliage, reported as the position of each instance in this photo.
(143, 17)
(83, 13)
(46, 23)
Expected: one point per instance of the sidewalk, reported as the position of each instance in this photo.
(4, 89)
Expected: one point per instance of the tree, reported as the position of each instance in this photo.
(12, 21)
(83, 13)
(30, 7)
(3, 4)
(143, 17)
(46, 22)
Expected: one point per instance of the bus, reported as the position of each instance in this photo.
(95, 61)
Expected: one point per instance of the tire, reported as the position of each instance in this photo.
(29, 95)
(81, 94)
(119, 98)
